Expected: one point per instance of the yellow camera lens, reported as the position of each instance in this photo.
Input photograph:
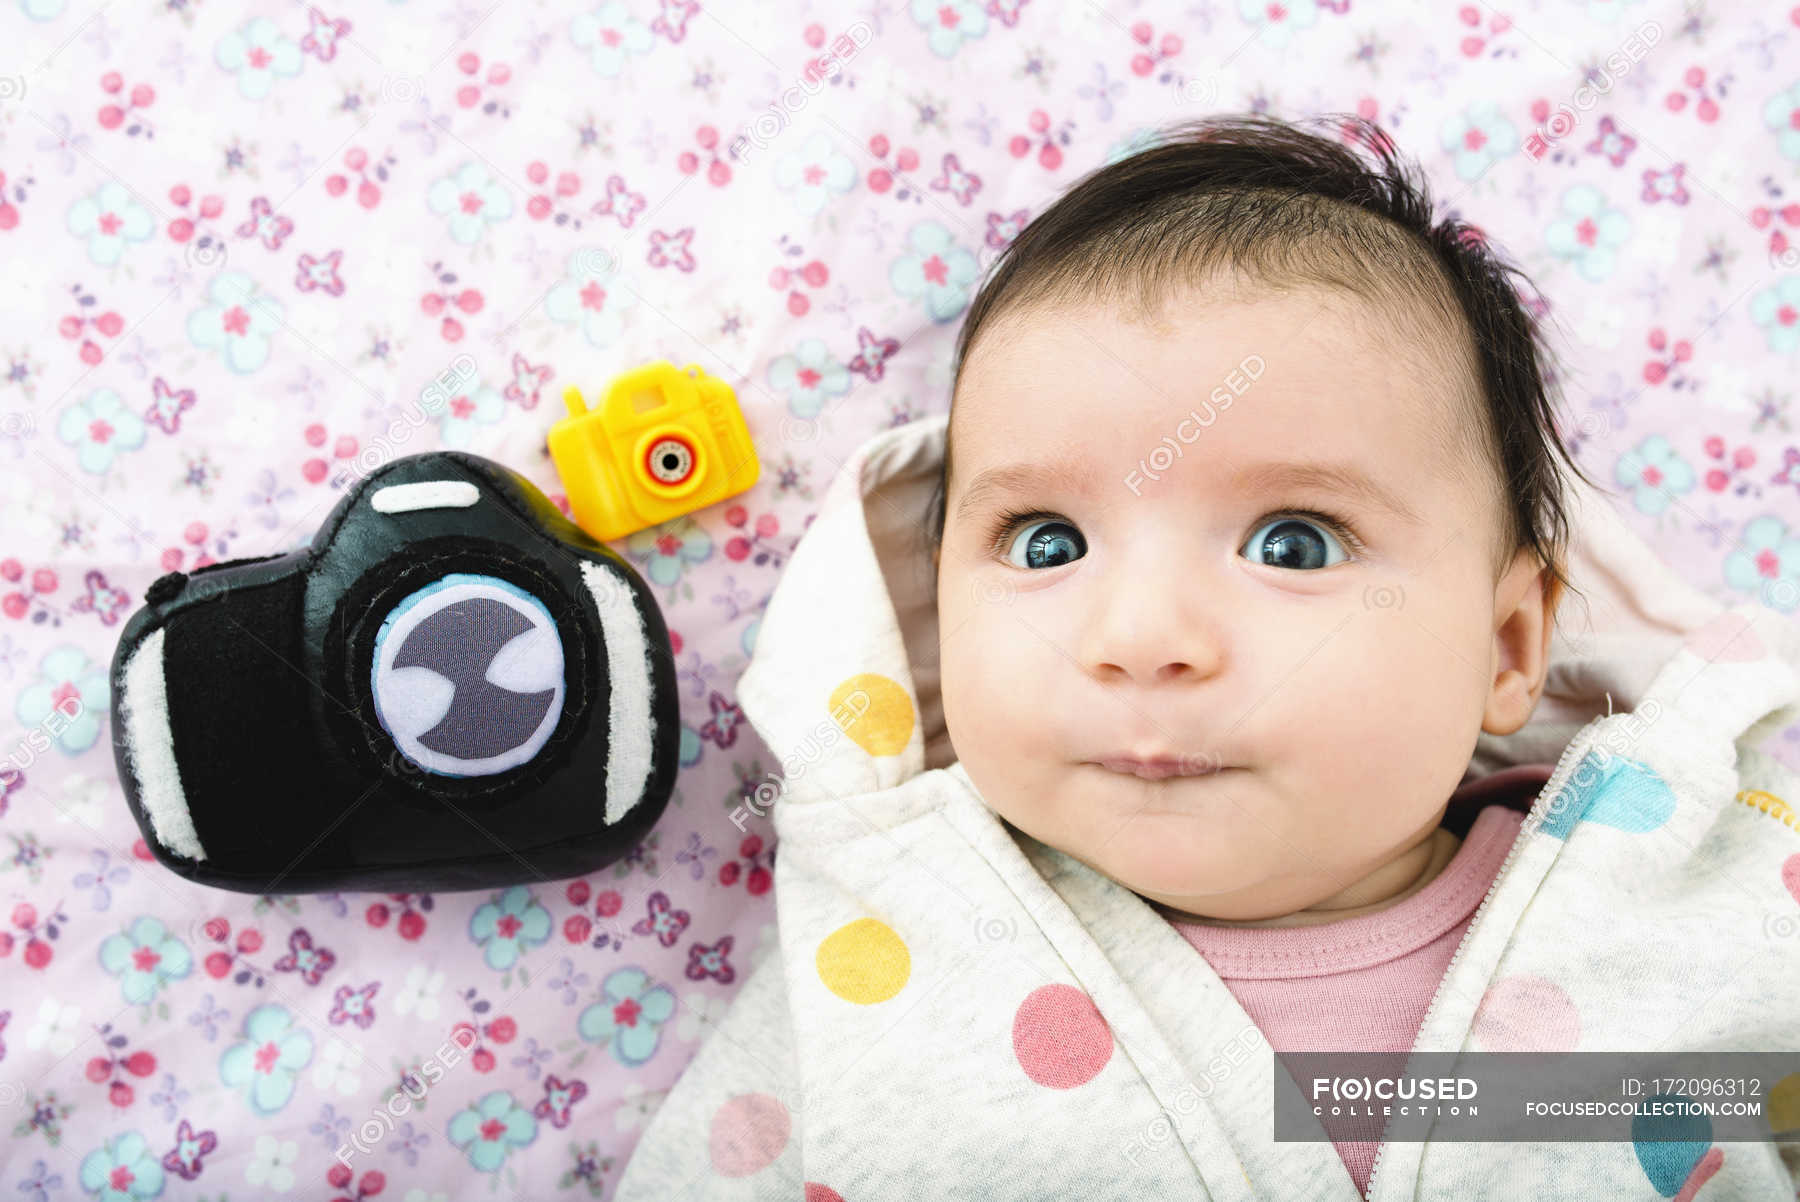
(670, 461)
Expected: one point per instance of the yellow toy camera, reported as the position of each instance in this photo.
(665, 441)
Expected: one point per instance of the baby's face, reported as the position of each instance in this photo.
(1151, 605)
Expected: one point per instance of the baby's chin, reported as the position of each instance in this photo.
(1180, 842)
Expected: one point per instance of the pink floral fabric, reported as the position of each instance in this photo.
(254, 251)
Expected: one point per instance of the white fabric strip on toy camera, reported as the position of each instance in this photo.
(632, 727)
(150, 746)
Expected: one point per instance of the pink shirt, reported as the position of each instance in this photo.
(1370, 978)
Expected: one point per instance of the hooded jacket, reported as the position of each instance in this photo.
(959, 1011)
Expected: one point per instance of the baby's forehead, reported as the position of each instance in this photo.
(1321, 357)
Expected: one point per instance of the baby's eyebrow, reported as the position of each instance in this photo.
(1331, 477)
(1067, 470)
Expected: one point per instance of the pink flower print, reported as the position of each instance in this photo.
(266, 224)
(681, 240)
(872, 354)
(526, 383)
(321, 40)
(959, 183)
(557, 1100)
(721, 728)
(672, 21)
(167, 405)
(109, 219)
(1665, 185)
(1789, 474)
(350, 1005)
(258, 53)
(302, 957)
(1612, 142)
(102, 600)
(704, 962)
(663, 922)
(620, 201)
(610, 34)
(470, 198)
(320, 274)
(184, 1158)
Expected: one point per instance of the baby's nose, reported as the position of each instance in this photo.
(1146, 636)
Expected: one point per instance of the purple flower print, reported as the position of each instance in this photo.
(665, 923)
(704, 962)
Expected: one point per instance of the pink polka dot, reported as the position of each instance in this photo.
(1790, 875)
(748, 1133)
(1526, 1013)
(1727, 639)
(821, 1193)
(1059, 1037)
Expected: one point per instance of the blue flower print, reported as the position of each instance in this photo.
(67, 699)
(460, 416)
(809, 377)
(1778, 309)
(1277, 23)
(1781, 114)
(492, 1128)
(42, 10)
(1588, 233)
(123, 1169)
(109, 219)
(1769, 563)
(813, 171)
(472, 199)
(629, 1016)
(1477, 138)
(508, 925)
(1654, 472)
(268, 1060)
(667, 547)
(258, 53)
(100, 427)
(611, 35)
(949, 23)
(238, 323)
(593, 294)
(145, 959)
(937, 272)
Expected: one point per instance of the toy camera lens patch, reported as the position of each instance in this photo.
(468, 676)
(671, 460)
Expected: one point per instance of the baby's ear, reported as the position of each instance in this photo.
(1525, 603)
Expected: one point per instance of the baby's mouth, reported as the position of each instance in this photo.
(1160, 767)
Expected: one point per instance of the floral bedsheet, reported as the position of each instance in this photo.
(242, 240)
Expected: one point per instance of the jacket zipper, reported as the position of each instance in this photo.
(1769, 806)
(1558, 777)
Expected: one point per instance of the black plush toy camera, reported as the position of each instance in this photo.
(452, 687)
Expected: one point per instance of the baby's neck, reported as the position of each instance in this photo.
(1436, 850)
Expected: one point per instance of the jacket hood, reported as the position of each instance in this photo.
(842, 682)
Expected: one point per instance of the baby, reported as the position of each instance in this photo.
(1221, 710)
(1262, 464)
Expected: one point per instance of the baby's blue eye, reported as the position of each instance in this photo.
(1293, 543)
(1046, 544)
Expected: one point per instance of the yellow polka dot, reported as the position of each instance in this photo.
(864, 962)
(1784, 1105)
(875, 712)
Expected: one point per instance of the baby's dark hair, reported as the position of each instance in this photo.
(1276, 204)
